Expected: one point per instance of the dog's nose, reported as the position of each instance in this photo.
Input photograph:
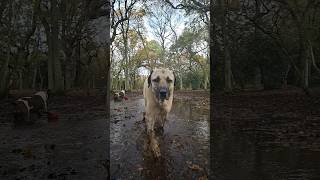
(163, 93)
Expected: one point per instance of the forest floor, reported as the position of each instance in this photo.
(259, 135)
(74, 147)
(266, 135)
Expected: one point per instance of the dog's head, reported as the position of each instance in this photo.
(116, 95)
(122, 93)
(162, 83)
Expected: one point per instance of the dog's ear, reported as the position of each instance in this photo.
(149, 78)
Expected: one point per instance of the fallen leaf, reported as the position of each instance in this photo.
(140, 168)
(195, 167)
(27, 153)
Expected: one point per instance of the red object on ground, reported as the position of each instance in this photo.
(52, 117)
(125, 98)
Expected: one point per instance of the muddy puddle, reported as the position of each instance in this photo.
(184, 145)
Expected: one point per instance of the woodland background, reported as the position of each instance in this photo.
(62, 45)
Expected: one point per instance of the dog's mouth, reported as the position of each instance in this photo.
(162, 98)
(163, 95)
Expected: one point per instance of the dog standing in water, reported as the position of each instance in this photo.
(158, 96)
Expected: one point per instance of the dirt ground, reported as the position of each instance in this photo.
(74, 147)
(266, 135)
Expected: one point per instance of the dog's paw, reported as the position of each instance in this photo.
(157, 153)
(155, 149)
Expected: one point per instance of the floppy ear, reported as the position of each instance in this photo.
(149, 78)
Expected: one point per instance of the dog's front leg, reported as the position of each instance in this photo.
(152, 137)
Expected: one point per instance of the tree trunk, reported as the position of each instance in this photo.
(107, 75)
(67, 79)
(181, 81)
(227, 56)
(58, 78)
(55, 79)
(69, 70)
(125, 43)
(4, 75)
(227, 69)
(285, 77)
(93, 80)
(34, 78)
(50, 63)
(306, 74)
(257, 79)
(20, 79)
(5, 68)
(77, 66)
(206, 81)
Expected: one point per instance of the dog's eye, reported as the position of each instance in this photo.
(156, 80)
(169, 80)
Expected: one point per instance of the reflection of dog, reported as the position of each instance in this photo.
(158, 96)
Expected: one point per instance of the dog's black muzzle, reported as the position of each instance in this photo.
(163, 94)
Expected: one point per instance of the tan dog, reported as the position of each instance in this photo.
(158, 97)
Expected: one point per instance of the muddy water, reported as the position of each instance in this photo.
(184, 144)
